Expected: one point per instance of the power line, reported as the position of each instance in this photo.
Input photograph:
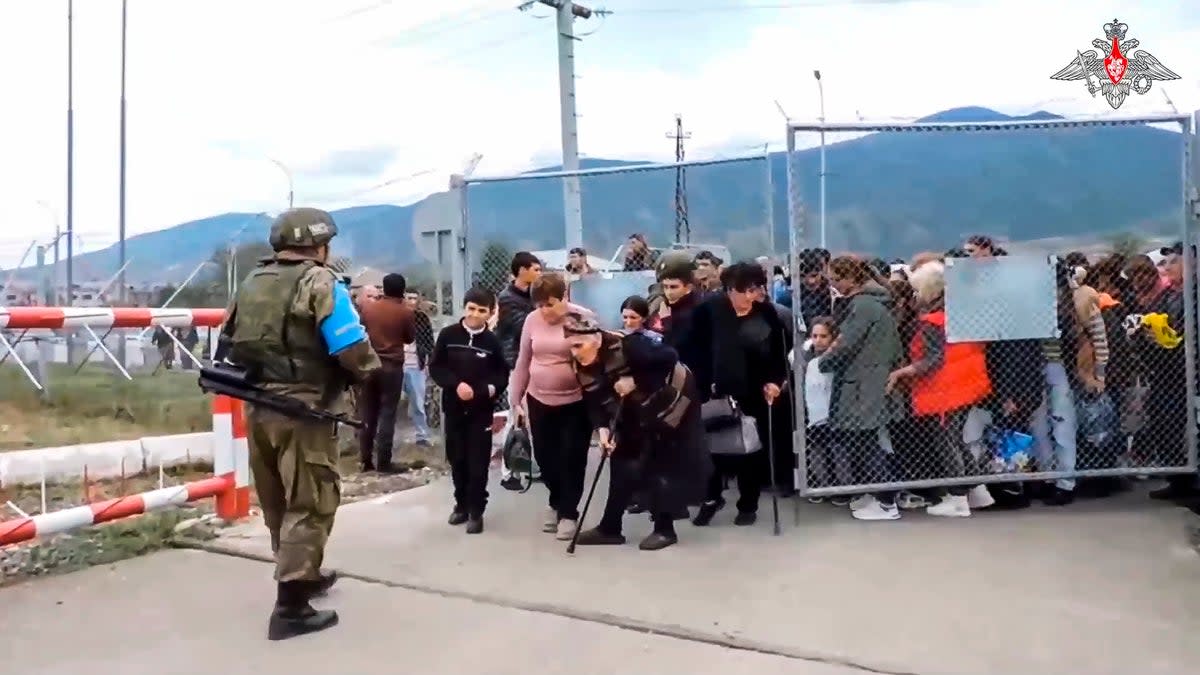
(438, 27)
(424, 30)
(362, 10)
(482, 46)
(748, 8)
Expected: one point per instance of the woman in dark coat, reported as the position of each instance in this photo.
(746, 345)
(646, 409)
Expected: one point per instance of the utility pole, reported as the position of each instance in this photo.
(291, 183)
(48, 277)
(70, 300)
(122, 295)
(821, 95)
(770, 206)
(567, 12)
(58, 234)
(683, 230)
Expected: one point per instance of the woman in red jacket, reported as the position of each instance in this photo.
(946, 380)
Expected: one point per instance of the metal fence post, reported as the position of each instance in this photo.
(1188, 235)
(795, 221)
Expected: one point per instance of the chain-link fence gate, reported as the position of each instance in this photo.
(728, 206)
(1040, 337)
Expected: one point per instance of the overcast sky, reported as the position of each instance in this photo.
(355, 93)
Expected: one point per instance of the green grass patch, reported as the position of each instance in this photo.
(97, 404)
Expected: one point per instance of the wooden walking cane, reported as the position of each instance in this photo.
(771, 460)
(612, 430)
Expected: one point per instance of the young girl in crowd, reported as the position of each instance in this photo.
(828, 468)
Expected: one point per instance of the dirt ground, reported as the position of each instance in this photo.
(356, 484)
(150, 532)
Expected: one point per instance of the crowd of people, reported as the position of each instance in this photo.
(1109, 393)
(887, 399)
(708, 381)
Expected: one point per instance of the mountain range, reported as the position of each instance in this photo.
(891, 194)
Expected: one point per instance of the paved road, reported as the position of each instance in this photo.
(140, 618)
(1096, 588)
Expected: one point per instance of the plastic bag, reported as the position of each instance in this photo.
(1012, 451)
(1099, 421)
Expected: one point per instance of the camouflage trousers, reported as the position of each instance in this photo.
(294, 464)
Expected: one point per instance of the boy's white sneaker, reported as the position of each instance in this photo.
(877, 511)
(951, 506)
(862, 502)
(980, 497)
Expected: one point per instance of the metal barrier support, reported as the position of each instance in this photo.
(231, 457)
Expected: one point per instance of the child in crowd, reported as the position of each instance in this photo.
(467, 363)
(827, 468)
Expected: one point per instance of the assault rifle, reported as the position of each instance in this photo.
(233, 381)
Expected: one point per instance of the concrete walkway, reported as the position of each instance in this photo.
(194, 613)
(1096, 588)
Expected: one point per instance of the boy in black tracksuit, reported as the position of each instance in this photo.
(468, 364)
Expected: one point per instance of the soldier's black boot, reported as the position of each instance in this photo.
(321, 586)
(293, 616)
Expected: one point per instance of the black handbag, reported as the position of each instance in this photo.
(518, 451)
(727, 430)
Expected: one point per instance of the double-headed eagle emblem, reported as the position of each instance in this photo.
(1115, 74)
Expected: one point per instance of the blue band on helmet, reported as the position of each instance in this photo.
(342, 328)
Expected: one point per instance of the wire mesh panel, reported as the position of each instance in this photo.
(993, 304)
(630, 216)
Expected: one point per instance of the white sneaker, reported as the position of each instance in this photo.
(550, 521)
(566, 530)
(862, 502)
(980, 497)
(877, 511)
(951, 506)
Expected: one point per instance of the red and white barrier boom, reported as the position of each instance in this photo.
(230, 485)
(56, 318)
(89, 319)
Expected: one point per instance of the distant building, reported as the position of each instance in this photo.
(19, 294)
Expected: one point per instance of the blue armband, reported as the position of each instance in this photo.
(342, 329)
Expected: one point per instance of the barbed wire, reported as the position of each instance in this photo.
(482, 46)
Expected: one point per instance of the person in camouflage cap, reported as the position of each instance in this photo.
(294, 328)
(670, 265)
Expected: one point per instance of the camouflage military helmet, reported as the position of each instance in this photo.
(675, 265)
(302, 228)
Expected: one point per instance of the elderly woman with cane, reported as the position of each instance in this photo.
(657, 444)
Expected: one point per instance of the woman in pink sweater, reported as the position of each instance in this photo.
(547, 399)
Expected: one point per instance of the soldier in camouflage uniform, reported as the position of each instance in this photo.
(294, 328)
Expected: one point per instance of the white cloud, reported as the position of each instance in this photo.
(215, 89)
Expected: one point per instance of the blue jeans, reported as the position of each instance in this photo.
(1054, 425)
(414, 389)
